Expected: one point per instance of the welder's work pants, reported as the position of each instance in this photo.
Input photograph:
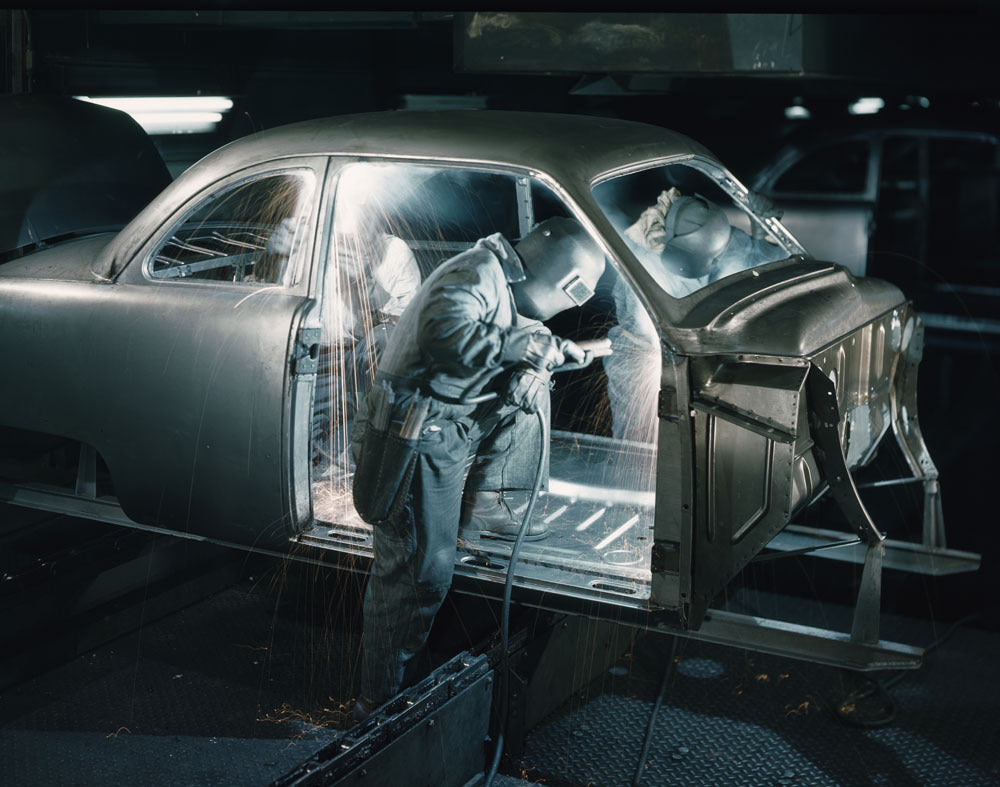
(415, 551)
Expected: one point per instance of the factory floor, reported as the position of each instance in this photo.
(239, 688)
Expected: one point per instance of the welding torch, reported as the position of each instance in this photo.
(592, 350)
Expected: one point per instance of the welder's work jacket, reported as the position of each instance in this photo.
(459, 333)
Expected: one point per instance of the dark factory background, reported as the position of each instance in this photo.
(751, 87)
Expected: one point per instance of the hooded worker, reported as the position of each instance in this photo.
(447, 436)
(686, 243)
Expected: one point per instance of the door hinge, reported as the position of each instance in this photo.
(305, 356)
(667, 406)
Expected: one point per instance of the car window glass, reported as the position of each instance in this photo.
(248, 233)
(393, 225)
(900, 162)
(839, 169)
(684, 228)
(900, 227)
(544, 203)
(964, 201)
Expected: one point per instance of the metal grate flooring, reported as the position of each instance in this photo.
(736, 717)
(238, 689)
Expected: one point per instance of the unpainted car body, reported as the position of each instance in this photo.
(173, 356)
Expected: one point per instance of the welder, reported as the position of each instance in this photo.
(448, 436)
(686, 242)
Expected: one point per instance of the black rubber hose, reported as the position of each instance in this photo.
(640, 766)
(881, 688)
(543, 460)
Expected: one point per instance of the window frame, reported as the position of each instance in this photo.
(311, 169)
(725, 180)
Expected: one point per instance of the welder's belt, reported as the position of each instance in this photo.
(388, 455)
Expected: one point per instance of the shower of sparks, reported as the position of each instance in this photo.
(618, 533)
(590, 520)
(606, 476)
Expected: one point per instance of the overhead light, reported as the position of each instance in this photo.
(171, 114)
(866, 106)
(797, 112)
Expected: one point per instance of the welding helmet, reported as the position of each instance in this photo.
(562, 264)
(697, 232)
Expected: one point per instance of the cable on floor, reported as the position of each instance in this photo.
(641, 764)
(504, 668)
(847, 711)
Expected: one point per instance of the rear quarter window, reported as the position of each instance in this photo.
(248, 233)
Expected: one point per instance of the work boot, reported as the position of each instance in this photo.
(495, 514)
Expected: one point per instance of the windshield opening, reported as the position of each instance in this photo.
(684, 228)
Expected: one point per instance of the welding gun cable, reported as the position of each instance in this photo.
(641, 764)
(845, 710)
(543, 460)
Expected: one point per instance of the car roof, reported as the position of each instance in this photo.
(573, 149)
(586, 145)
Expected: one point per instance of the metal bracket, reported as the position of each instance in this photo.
(525, 207)
(908, 556)
(667, 404)
(824, 417)
(305, 355)
(868, 608)
(795, 641)
(933, 535)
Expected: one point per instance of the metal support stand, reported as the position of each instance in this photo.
(824, 417)
(868, 608)
(933, 515)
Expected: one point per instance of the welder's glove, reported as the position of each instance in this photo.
(763, 206)
(648, 230)
(528, 389)
(572, 351)
(543, 352)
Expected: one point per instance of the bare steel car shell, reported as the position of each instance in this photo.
(198, 397)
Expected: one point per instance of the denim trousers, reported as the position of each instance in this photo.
(415, 551)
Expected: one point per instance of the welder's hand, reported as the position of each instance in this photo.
(528, 389)
(572, 351)
(648, 230)
(763, 206)
(544, 352)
